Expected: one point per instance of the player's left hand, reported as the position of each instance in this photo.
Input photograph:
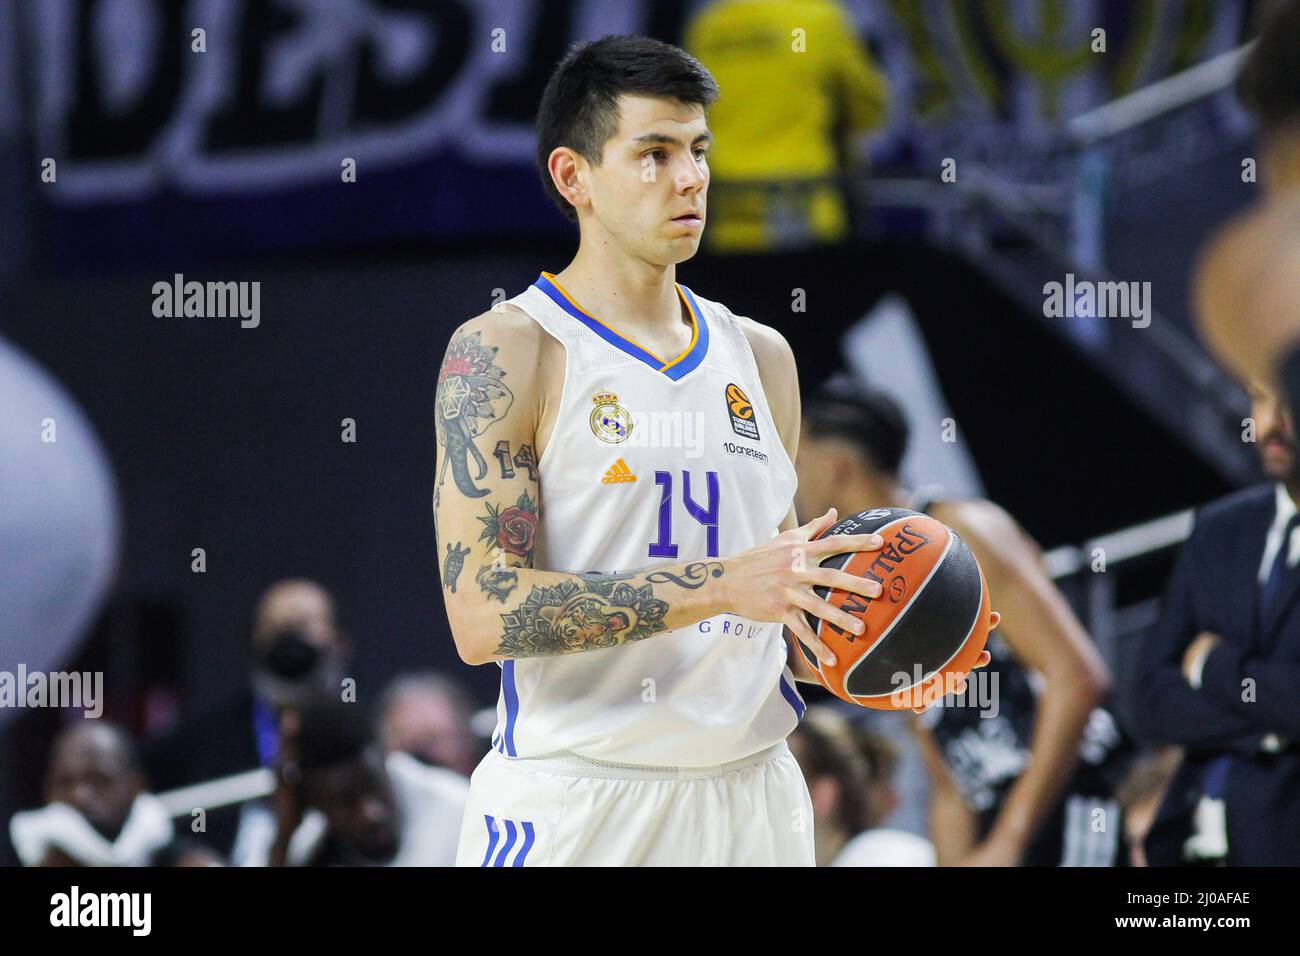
(994, 620)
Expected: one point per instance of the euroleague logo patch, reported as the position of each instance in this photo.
(741, 411)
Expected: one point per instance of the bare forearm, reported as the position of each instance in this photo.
(527, 612)
(952, 826)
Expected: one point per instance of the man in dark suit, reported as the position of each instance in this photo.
(1221, 674)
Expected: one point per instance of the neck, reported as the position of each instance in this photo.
(862, 493)
(610, 284)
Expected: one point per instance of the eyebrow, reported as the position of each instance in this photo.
(705, 137)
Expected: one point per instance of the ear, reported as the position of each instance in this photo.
(565, 166)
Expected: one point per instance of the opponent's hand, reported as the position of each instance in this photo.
(774, 581)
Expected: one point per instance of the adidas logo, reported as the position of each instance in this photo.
(619, 474)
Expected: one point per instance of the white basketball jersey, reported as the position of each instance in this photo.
(653, 463)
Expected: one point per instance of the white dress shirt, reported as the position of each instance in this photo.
(1285, 509)
(1273, 543)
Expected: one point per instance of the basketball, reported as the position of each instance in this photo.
(926, 629)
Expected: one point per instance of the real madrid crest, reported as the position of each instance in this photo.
(610, 421)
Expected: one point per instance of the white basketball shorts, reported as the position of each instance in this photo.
(566, 810)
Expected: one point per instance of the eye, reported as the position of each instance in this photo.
(701, 152)
(658, 155)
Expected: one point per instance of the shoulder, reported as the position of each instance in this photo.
(771, 350)
(505, 326)
(777, 372)
(978, 516)
(1256, 498)
(506, 343)
(772, 353)
(987, 527)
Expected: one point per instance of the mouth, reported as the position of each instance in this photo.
(691, 219)
(1278, 454)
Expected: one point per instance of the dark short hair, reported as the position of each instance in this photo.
(579, 107)
(1269, 82)
(870, 420)
(331, 732)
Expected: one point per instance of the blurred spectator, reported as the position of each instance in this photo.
(1269, 86)
(1140, 795)
(1021, 762)
(852, 794)
(352, 806)
(1246, 291)
(97, 812)
(800, 88)
(429, 717)
(1219, 673)
(1247, 304)
(298, 649)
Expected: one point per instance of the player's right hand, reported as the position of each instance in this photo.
(774, 581)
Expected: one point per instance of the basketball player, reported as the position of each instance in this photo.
(610, 477)
(1016, 776)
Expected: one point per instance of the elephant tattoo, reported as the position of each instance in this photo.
(470, 397)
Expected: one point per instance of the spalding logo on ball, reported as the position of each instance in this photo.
(925, 630)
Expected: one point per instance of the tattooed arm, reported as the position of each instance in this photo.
(491, 396)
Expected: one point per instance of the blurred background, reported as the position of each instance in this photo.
(895, 211)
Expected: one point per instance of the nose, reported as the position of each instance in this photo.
(691, 175)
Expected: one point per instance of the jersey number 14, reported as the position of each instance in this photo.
(706, 515)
